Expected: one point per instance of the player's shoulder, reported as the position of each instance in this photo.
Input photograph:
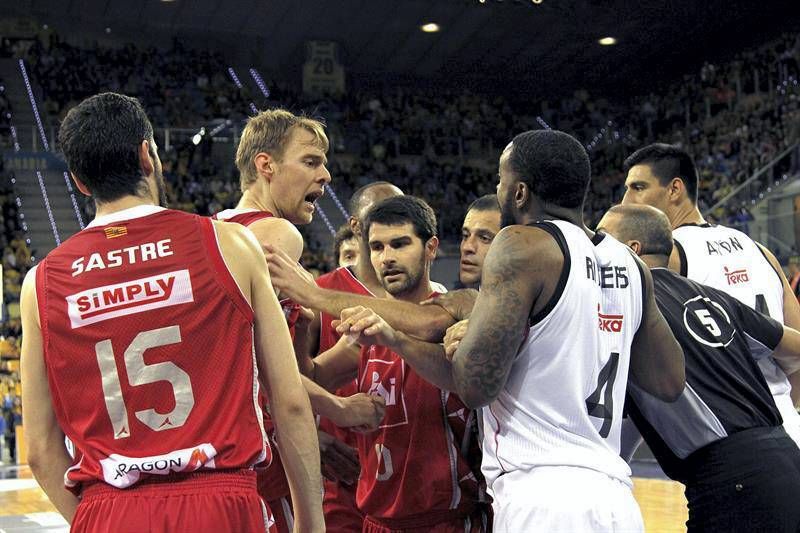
(528, 240)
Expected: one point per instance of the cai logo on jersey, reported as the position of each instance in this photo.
(120, 471)
(135, 296)
(384, 378)
(735, 277)
(708, 322)
(609, 323)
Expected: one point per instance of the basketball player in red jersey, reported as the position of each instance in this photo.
(281, 161)
(421, 468)
(339, 503)
(124, 353)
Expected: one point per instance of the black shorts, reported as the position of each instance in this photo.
(747, 482)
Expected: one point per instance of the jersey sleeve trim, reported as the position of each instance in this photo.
(553, 230)
(224, 274)
(684, 270)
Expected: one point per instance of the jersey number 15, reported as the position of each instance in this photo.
(140, 373)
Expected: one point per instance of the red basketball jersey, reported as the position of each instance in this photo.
(148, 344)
(424, 459)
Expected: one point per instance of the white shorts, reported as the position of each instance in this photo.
(563, 499)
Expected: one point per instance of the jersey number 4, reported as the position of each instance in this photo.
(140, 373)
(605, 380)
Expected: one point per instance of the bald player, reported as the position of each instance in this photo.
(665, 177)
(723, 437)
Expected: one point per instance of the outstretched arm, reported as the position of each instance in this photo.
(425, 322)
(511, 283)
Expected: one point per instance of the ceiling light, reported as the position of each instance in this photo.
(430, 27)
(607, 41)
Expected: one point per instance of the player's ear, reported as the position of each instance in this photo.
(80, 185)
(265, 165)
(431, 247)
(146, 161)
(676, 189)
(522, 194)
(636, 246)
(355, 226)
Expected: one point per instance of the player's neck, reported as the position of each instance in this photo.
(126, 202)
(687, 213)
(421, 292)
(655, 261)
(258, 199)
(552, 212)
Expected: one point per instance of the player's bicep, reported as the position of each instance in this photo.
(338, 365)
(791, 307)
(274, 351)
(511, 283)
(657, 362)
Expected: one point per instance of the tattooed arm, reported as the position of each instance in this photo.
(522, 268)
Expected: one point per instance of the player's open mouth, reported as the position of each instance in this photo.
(314, 196)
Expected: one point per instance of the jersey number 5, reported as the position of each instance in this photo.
(140, 373)
(604, 410)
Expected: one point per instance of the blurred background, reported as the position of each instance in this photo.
(422, 94)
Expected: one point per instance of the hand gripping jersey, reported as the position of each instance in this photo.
(143, 378)
(728, 260)
(272, 482)
(562, 403)
(422, 465)
(339, 504)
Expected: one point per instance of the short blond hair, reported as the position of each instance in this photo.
(269, 132)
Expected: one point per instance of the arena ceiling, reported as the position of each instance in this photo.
(550, 43)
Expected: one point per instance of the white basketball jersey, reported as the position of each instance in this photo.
(562, 403)
(729, 260)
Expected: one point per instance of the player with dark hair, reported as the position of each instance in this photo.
(552, 425)
(665, 177)
(345, 246)
(420, 469)
(481, 225)
(124, 353)
(723, 437)
(339, 503)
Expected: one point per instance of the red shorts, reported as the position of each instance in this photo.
(283, 514)
(341, 512)
(475, 522)
(200, 501)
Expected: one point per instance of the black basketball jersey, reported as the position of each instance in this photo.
(722, 341)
